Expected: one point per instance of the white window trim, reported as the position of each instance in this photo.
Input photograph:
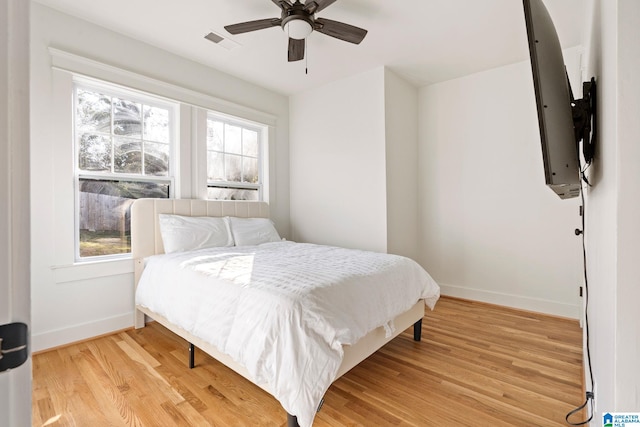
(89, 68)
(66, 66)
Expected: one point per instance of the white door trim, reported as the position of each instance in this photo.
(15, 241)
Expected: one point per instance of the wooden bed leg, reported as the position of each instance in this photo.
(192, 356)
(292, 421)
(417, 330)
(138, 319)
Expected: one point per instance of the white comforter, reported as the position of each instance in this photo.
(283, 310)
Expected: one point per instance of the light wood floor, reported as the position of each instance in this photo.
(477, 365)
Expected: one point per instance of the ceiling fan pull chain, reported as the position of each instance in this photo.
(306, 58)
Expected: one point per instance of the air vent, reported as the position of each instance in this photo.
(221, 41)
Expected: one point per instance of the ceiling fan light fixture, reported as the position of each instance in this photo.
(298, 29)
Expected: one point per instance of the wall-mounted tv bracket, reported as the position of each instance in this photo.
(585, 119)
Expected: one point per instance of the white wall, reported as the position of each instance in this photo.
(401, 141)
(600, 230)
(72, 302)
(338, 187)
(628, 294)
(354, 163)
(613, 208)
(490, 228)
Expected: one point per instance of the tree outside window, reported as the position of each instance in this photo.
(123, 152)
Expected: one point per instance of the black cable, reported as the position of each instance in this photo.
(589, 397)
(578, 409)
(586, 289)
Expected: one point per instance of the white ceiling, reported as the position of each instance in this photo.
(426, 41)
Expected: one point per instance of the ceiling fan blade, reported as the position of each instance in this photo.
(340, 30)
(296, 49)
(283, 4)
(245, 27)
(317, 5)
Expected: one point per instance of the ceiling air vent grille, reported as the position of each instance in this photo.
(221, 41)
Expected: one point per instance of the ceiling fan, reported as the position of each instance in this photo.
(298, 20)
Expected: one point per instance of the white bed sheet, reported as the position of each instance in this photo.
(284, 310)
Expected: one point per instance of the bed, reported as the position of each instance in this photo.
(282, 331)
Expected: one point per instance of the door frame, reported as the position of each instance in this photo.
(15, 238)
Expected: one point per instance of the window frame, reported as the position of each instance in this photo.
(132, 95)
(190, 171)
(262, 131)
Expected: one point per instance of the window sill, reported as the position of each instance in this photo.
(92, 270)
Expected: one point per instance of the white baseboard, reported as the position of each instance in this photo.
(52, 339)
(514, 301)
(57, 338)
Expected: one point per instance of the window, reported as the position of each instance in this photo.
(234, 159)
(123, 146)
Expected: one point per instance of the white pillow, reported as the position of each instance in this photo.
(253, 231)
(185, 233)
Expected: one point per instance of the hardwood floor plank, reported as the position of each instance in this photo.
(477, 365)
(182, 387)
(140, 351)
(111, 404)
(415, 393)
(45, 411)
(174, 396)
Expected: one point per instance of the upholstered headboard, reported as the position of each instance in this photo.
(145, 230)
(146, 239)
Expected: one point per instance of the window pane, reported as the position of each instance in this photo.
(215, 135)
(94, 153)
(233, 156)
(215, 166)
(156, 159)
(156, 124)
(233, 139)
(232, 193)
(250, 170)
(127, 118)
(117, 135)
(233, 168)
(93, 112)
(250, 143)
(127, 156)
(104, 217)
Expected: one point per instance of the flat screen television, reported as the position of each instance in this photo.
(563, 121)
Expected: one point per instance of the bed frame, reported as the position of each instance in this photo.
(146, 241)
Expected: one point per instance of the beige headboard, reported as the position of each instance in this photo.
(145, 231)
